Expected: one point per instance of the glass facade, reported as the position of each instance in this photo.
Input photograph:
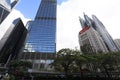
(5, 8)
(105, 35)
(42, 31)
(6, 4)
(13, 3)
(12, 41)
(40, 45)
(97, 25)
(3, 14)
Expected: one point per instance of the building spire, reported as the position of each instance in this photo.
(82, 22)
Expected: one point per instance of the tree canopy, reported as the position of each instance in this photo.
(70, 60)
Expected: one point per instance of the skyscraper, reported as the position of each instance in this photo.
(117, 42)
(100, 28)
(91, 42)
(97, 25)
(12, 42)
(41, 40)
(5, 8)
(14, 3)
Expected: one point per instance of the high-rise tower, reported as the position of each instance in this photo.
(5, 8)
(12, 42)
(91, 41)
(43, 31)
(41, 41)
(97, 25)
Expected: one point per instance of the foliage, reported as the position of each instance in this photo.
(2, 70)
(18, 63)
(19, 67)
(12, 77)
(71, 61)
(64, 59)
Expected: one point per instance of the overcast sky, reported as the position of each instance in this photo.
(107, 11)
(68, 13)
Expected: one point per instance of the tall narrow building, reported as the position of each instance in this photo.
(12, 42)
(40, 45)
(100, 28)
(6, 7)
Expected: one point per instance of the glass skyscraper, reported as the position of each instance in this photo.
(5, 8)
(97, 25)
(41, 40)
(12, 42)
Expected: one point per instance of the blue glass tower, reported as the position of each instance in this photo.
(42, 34)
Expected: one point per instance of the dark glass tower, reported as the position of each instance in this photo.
(12, 42)
(41, 39)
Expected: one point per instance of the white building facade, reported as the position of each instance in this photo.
(89, 37)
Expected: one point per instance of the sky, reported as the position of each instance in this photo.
(68, 12)
(29, 9)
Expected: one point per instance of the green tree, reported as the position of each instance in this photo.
(106, 62)
(64, 59)
(80, 62)
(19, 67)
(111, 62)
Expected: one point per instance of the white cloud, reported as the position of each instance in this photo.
(10, 18)
(12, 0)
(68, 25)
(18, 14)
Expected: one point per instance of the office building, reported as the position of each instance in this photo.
(14, 3)
(97, 25)
(5, 8)
(12, 42)
(40, 45)
(117, 42)
(91, 42)
(100, 28)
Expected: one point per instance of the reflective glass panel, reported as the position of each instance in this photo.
(42, 31)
